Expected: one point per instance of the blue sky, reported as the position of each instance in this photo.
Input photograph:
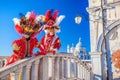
(70, 31)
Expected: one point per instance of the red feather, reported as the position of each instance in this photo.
(48, 15)
(55, 15)
(18, 29)
(32, 15)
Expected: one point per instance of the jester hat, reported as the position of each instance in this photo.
(52, 21)
(29, 24)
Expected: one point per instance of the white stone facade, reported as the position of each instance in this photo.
(112, 27)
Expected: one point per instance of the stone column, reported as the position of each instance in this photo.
(50, 68)
(15, 75)
(75, 71)
(12, 76)
(45, 68)
(68, 68)
(98, 65)
(18, 74)
(56, 70)
(83, 72)
(62, 68)
(88, 77)
(41, 68)
(53, 68)
(78, 70)
(36, 68)
(27, 75)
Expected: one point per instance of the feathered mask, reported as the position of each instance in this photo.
(28, 24)
(52, 20)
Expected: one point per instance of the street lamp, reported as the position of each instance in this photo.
(78, 19)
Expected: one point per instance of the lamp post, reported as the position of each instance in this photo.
(105, 40)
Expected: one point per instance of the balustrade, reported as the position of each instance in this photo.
(49, 67)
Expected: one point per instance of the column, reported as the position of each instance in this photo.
(78, 70)
(71, 68)
(18, 74)
(35, 77)
(61, 68)
(98, 65)
(41, 68)
(75, 71)
(27, 73)
(12, 76)
(68, 68)
(45, 68)
(56, 69)
(83, 72)
(50, 68)
(88, 77)
(53, 68)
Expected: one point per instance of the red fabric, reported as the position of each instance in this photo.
(47, 43)
(12, 59)
(20, 54)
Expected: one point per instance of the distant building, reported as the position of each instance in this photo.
(78, 51)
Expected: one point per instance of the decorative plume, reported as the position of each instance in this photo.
(32, 15)
(59, 19)
(55, 15)
(28, 24)
(16, 21)
(49, 15)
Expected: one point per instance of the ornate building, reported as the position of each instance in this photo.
(104, 36)
(78, 51)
